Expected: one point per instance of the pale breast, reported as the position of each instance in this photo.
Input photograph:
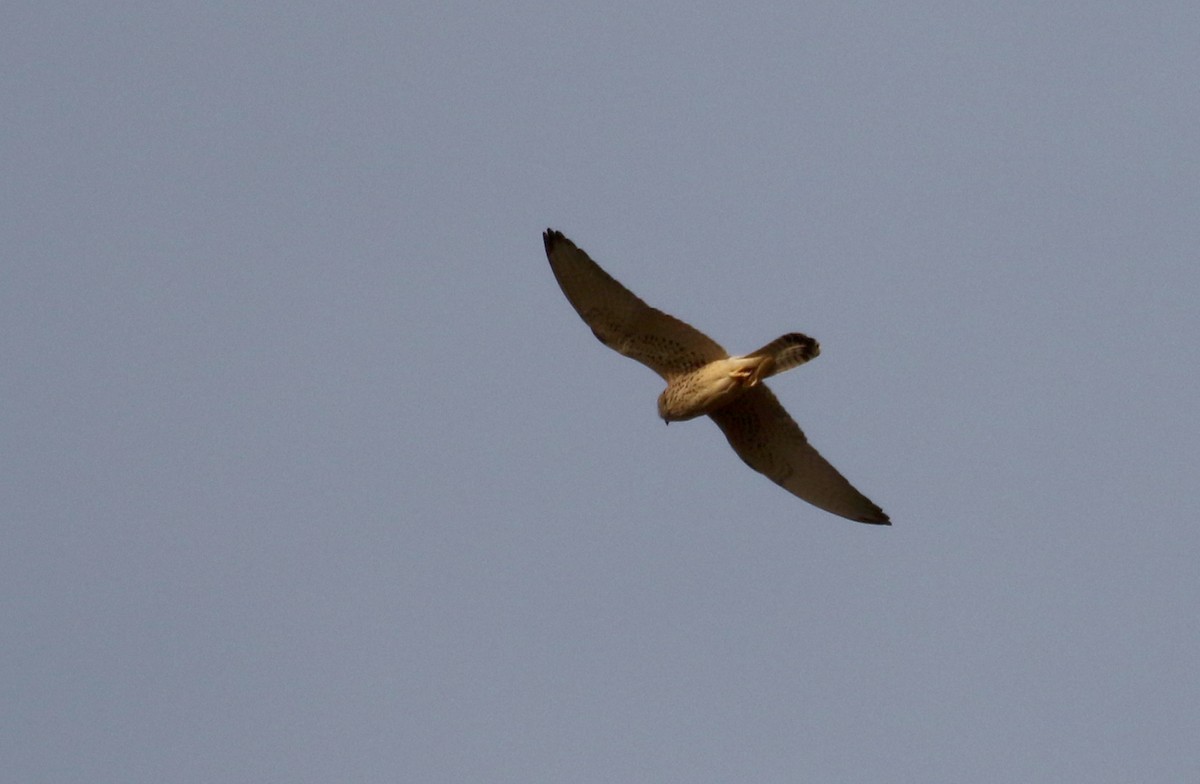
(702, 391)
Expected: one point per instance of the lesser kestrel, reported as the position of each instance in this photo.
(703, 379)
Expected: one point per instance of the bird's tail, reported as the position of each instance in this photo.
(785, 353)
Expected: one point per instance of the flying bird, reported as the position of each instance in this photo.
(703, 379)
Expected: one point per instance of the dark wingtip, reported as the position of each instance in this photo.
(550, 238)
(879, 519)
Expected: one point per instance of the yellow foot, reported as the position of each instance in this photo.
(747, 376)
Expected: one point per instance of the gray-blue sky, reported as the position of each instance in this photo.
(310, 473)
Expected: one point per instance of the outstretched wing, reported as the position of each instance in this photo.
(769, 440)
(623, 322)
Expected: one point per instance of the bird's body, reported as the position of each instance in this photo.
(717, 384)
(708, 388)
(703, 379)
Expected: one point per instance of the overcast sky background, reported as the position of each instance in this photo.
(311, 474)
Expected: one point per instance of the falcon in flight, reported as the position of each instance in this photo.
(703, 379)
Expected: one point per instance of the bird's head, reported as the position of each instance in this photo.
(664, 409)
